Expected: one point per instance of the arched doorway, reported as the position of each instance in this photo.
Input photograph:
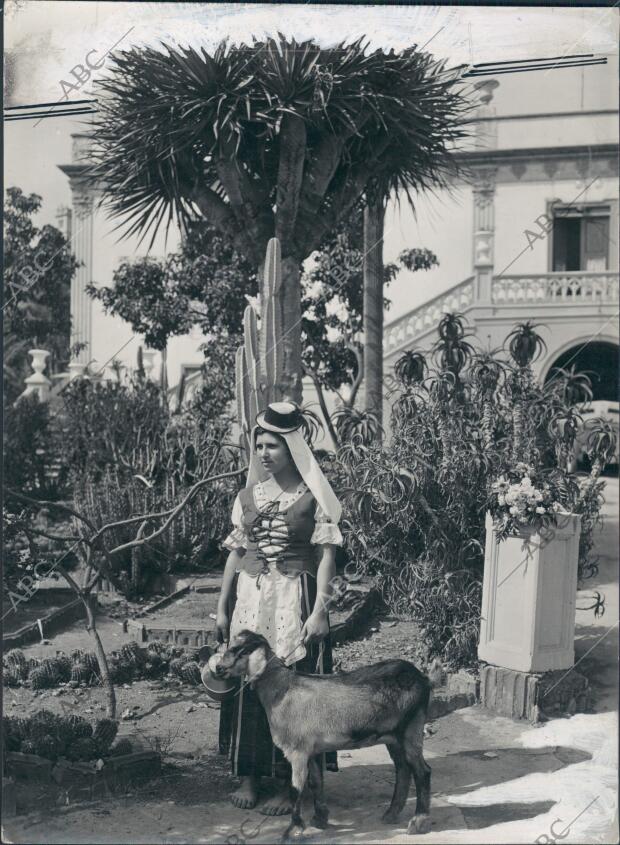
(599, 359)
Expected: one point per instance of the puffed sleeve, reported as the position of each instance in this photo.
(325, 531)
(237, 537)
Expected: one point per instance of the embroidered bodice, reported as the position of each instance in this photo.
(269, 527)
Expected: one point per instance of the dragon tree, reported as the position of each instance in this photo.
(273, 139)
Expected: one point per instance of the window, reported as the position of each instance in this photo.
(580, 238)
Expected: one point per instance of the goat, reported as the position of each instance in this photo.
(309, 714)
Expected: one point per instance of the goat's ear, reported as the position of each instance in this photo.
(257, 663)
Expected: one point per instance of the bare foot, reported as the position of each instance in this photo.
(247, 795)
(279, 804)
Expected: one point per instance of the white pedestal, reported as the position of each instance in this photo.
(529, 596)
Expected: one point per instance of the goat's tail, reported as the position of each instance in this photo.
(435, 673)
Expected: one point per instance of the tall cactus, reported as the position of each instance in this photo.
(259, 363)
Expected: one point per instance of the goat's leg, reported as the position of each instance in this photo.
(414, 742)
(315, 778)
(299, 766)
(403, 780)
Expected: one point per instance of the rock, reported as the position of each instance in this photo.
(127, 714)
(389, 624)
(490, 754)
(58, 692)
(190, 709)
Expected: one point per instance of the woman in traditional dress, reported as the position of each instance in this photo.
(277, 582)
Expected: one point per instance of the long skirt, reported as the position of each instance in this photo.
(244, 730)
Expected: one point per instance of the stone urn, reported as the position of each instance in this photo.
(529, 597)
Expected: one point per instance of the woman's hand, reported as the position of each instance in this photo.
(222, 626)
(316, 628)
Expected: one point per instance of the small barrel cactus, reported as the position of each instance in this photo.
(77, 655)
(190, 673)
(33, 663)
(123, 746)
(156, 647)
(132, 653)
(80, 673)
(84, 748)
(21, 727)
(52, 670)
(47, 746)
(11, 676)
(105, 734)
(64, 665)
(39, 678)
(44, 717)
(176, 666)
(79, 726)
(90, 660)
(16, 657)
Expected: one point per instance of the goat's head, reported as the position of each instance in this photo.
(247, 654)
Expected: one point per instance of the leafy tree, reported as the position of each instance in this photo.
(207, 283)
(274, 139)
(38, 267)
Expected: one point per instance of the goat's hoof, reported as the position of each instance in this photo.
(390, 816)
(320, 820)
(292, 833)
(419, 824)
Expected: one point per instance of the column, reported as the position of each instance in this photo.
(484, 193)
(83, 192)
(81, 304)
(484, 230)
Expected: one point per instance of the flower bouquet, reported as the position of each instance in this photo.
(523, 498)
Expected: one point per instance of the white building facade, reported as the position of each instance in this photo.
(533, 233)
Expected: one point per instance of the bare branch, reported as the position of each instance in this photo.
(175, 511)
(48, 504)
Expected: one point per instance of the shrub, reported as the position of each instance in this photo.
(414, 509)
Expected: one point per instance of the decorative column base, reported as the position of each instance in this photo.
(533, 696)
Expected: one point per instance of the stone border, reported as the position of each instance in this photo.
(164, 602)
(52, 623)
(461, 690)
(84, 777)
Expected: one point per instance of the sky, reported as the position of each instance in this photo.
(45, 41)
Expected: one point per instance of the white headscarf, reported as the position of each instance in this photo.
(308, 468)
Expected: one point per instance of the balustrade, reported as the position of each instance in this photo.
(574, 288)
(428, 315)
(569, 288)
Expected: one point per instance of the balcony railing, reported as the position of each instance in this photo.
(427, 316)
(541, 289)
(568, 288)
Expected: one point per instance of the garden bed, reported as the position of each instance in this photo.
(51, 621)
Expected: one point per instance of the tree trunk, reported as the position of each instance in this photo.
(374, 215)
(103, 663)
(289, 296)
